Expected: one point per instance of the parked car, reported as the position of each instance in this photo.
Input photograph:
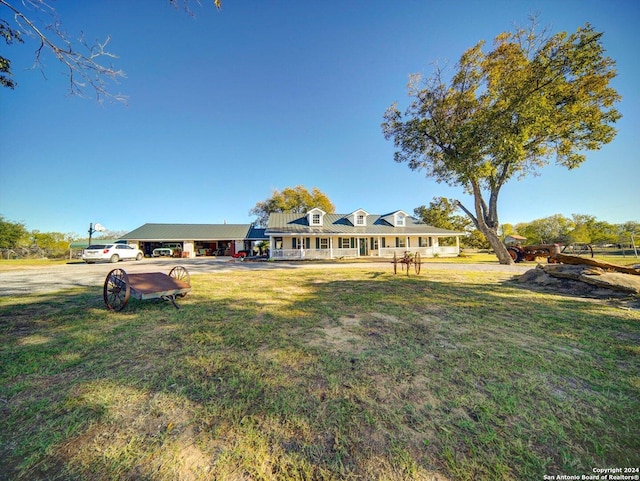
(163, 252)
(111, 253)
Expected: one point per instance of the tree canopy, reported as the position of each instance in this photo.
(11, 233)
(441, 212)
(291, 199)
(506, 113)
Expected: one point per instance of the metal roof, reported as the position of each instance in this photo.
(334, 224)
(181, 232)
(257, 234)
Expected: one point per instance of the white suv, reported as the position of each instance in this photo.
(110, 253)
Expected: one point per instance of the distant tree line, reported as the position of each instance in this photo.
(579, 228)
(16, 241)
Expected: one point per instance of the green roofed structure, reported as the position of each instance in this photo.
(193, 240)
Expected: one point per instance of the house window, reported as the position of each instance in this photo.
(315, 219)
(400, 242)
(360, 219)
(278, 242)
(374, 243)
(304, 244)
(345, 243)
(426, 242)
(400, 221)
(322, 243)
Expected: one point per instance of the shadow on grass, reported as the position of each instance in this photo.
(322, 376)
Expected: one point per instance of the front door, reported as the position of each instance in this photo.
(362, 245)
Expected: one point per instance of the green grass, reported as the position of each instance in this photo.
(15, 264)
(316, 374)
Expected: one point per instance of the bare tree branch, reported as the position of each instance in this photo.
(88, 66)
(86, 70)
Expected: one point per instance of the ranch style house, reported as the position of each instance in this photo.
(318, 235)
(311, 235)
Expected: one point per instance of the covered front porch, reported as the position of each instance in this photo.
(336, 247)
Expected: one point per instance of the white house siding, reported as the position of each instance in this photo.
(347, 246)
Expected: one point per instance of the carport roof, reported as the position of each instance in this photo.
(182, 232)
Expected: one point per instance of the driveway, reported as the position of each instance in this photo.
(36, 280)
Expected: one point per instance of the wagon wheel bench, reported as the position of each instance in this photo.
(120, 286)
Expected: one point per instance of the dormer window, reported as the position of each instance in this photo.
(397, 218)
(358, 218)
(314, 217)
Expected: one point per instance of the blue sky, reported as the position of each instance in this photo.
(227, 105)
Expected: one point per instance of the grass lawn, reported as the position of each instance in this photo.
(320, 374)
(16, 264)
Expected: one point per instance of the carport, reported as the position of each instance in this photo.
(195, 240)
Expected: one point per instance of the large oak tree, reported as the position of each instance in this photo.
(506, 113)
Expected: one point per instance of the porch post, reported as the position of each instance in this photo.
(331, 247)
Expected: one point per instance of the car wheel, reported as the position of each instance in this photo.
(114, 258)
(139, 257)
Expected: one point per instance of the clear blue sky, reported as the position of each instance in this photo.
(228, 105)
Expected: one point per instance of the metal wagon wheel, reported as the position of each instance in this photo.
(116, 290)
(417, 263)
(395, 263)
(181, 274)
(579, 249)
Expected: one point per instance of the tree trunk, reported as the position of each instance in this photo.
(487, 223)
(498, 247)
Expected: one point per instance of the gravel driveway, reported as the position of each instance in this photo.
(32, 280)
